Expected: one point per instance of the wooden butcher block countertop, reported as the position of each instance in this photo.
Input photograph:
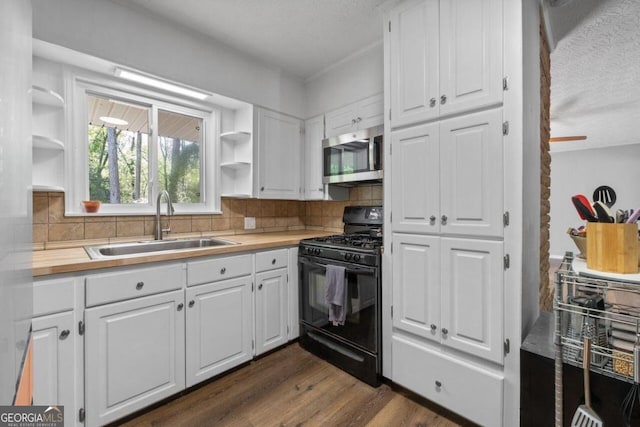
(55, 261)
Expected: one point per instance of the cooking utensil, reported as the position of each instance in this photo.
(605, 194)
(629, 401)
(584, 208)
(603, 212)
(634, 216)
(585, 416)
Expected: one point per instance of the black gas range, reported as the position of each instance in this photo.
(354, 342)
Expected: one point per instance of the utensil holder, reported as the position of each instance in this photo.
(612, 247)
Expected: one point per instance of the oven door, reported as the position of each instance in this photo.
(361, 326)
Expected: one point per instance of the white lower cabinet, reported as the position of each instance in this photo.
(294, 296)
(134, 355)
(272, 310)
(54, 362)
(472, 391)
(450, 290)
(219, 321)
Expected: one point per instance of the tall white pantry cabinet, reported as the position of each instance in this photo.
(452, 267)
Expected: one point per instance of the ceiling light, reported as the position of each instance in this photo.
(160, 84)
(114, 121)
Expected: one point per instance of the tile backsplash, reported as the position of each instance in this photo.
(51, 228)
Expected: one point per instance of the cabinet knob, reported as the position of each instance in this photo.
(443, 219)
(443, 99)
(273, 261)
(180, 306)
(223, 270)
(260, 287)
(432, 102)
(353, 121)
(192, 303)
(432, 219)
(445, 331)
(139, 285)
(261, 188)
(359, 119)
(438, 384)
(64, 334)
(320, 189)
(433, 327)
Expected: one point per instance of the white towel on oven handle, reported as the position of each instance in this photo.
(336, 294)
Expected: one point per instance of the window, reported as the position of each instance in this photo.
(129, 146)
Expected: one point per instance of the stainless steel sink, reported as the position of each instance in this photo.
(152, 246)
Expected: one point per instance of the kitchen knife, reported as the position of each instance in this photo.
(584, 208)
(603, 212)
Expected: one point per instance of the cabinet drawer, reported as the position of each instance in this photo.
(212, 270)
(52, 296)
(109, 287)
(270, 260)
(468, 390)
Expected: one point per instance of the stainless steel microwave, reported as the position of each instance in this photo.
(353, 157)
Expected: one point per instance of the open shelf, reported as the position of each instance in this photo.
(235, 135)
(235, 165)
(47, 143)
(44, 96)
(51, 188)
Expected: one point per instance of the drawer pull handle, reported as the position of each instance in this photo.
(64, 334)
(260, 287)
(273, 261)
(180, 306)
(223, 270)
(139, 285)
(192, 303)
(438, 384)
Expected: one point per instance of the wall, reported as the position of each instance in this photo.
(51, 229)
(581, 172)
(355, 77)
(16, 285)
(135, 39)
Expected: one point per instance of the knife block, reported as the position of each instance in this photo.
(612, 247)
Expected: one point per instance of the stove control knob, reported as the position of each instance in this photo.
(356, 257)
(317, 251)
(348, 256)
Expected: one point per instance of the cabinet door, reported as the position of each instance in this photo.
(54, 362)
(473, 297)
(415, 179)
(370, 112)
(272, 310)
(219, 329)
(416, 285)
(471, 177)
(294, 295)
(279, 141)
(413, 45)
(341, 120)
(470, 54)
(313, 136)
(134, 355)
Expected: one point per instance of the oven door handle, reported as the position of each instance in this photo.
(348, 269)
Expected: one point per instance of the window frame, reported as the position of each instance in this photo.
(76, 155)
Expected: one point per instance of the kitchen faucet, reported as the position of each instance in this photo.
(170, 211)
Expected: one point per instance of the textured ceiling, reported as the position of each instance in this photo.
(595, 73)
(300, 36)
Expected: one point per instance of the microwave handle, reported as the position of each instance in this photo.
(372, 156)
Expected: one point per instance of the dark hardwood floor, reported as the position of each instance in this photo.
(292, 387)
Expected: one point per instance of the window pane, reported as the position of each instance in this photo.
(118, 151)
(180, 140)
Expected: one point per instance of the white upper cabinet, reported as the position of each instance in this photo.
(445, 58)
(279, 162)
(447, 177)
(358, 115)
(313, 136)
